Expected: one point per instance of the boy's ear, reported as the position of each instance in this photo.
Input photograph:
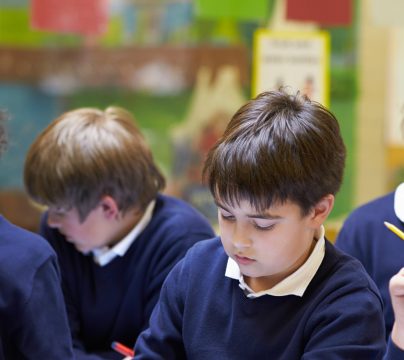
(109, 207)
(322, 209)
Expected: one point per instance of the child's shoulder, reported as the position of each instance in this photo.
(344, 271)
(174, 205)
(373, 209)
(22, 254)
(211, 246)
(206, 254)
(174, 211)
(22, 245)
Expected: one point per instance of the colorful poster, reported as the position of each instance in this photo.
(87, 17)
(323, 12)
(15, 31)
(295, 61)
(232, 9)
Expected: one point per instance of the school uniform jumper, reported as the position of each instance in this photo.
(393, 352)
(202, 314)
(381, 252)
(33, 322)
(114, 302)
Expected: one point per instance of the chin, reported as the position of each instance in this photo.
(84, 251)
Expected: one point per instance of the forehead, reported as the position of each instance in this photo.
(277, 210)
(244, 206)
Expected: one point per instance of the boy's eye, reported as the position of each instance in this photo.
(263, 227)
(57, 211)
(227, 217)
(263, 224)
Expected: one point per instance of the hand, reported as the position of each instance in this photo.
(396, 287)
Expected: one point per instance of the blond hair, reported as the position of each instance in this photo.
(88, 153)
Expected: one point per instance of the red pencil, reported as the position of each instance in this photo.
(122, 349)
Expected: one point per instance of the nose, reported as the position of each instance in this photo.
(240, 238)
(53, 220)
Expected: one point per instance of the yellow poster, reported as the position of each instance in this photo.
(295, 61)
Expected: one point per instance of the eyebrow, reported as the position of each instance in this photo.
(265, 216)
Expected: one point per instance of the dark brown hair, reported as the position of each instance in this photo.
(277, 147)
(88, 153)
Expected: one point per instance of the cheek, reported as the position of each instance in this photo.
(227, 245)
(78, 229)
(225, 229)
(225, 235)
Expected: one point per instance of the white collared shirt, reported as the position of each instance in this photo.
(399, 202)
(105, 255)
(295, 284)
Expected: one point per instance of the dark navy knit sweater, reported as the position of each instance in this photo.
(33, 322)
(202, 314)
(114, 302)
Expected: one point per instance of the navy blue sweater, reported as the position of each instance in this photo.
(381, 252)
(393, 352)
(33, 322)
(202, 314)
(114, 302)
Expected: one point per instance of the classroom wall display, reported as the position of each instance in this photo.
(168, 64)
(299, 61)
(233, 9)
(206, 118)
(77, 16)
(321, 12)
(148, 61)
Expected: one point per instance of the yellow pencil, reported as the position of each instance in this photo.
(395, 230)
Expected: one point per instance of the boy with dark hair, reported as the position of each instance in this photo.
(271, 286)
(33, 322)
(115, 236)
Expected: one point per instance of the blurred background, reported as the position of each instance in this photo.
(183, 67)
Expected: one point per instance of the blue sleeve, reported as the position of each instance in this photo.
(334, 327)
(163, 339)
(43, 331)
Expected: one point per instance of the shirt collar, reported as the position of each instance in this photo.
(103, 256)
(399, 202)
(295, 284)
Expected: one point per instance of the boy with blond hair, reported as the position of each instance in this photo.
(115, 235)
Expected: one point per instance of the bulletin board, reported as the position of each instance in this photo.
(296, 61)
